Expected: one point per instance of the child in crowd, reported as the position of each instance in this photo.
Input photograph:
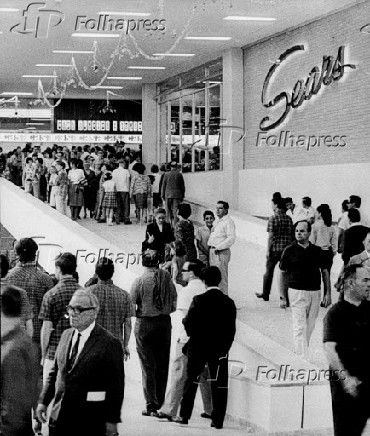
(157, 201)
(140, 188)
(202, 235)
(52, 188)
(175, 265)
(109, 197)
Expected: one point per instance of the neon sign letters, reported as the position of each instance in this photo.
(332, 70)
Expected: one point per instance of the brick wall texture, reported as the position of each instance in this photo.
(341, 108)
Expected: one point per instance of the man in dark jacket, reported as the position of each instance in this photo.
(210, 324)
(173, 192)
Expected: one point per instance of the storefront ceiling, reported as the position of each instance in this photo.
(22, 48)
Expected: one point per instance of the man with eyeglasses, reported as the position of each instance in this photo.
(86, 381)
(221, 239)
(347, 347)
(53, 306)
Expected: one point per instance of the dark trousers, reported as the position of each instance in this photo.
(218, 370)
(123, 207)
(350, 414)
(153, 342)
(272, 260)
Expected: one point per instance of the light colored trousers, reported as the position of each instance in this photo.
(305, 309)
(221, 260)
(178, 377)
(61, 204)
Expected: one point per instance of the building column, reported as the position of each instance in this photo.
(149, 117)
(233, 124)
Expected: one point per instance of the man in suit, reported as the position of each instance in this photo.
(172, 192)
(87, 379)
(210, 324)
(159, 235)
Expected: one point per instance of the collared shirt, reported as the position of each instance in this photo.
(121, 177)
(345, 224)
(202, 235)
(142, 294)
(185, 297)
(223, 234)
(115, 307)
(280, 226)
(36, 283)
(85, 334)
(53, 309)
(26, 309)
(76, 176)
(299, 214)
(324, 236)
(303, 265)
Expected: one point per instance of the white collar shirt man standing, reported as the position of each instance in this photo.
(221, 239)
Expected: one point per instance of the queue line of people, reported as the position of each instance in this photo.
(74, 348)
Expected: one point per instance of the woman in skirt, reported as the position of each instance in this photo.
(109, 202)
(76, 179)
(140, 188)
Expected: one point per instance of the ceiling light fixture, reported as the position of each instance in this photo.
(209, 38)
(9, 10)
(175, 54)
(107, 87)
(53, 65)
(74, 51)
(16, 93)
(242, 18)
(125, 78)
(126, 14)
(146, 68)
(39, 75)
(35, 124)
(96, 35)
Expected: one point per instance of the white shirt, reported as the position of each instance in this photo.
(223, 234)
(299, 214)
(85, 334)
(345, 224)
(76, 175)
(121, 177)
(185, 297)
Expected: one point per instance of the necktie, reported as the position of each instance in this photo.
(74, 353)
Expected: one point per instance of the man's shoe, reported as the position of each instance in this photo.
(205, 415)
(263, 296)
(128, 222)
(146, 412)
(180, 420)
(218, 426)
(162, 415)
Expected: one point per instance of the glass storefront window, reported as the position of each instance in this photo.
(193, 117)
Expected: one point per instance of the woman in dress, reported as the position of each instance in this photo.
(43, 179)
(140, 188)
(76, 180)
(90, 189)
(184, 231)
(109, 203)
(99, 210)
(323, 235)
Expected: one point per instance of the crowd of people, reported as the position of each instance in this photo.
(185, 269)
